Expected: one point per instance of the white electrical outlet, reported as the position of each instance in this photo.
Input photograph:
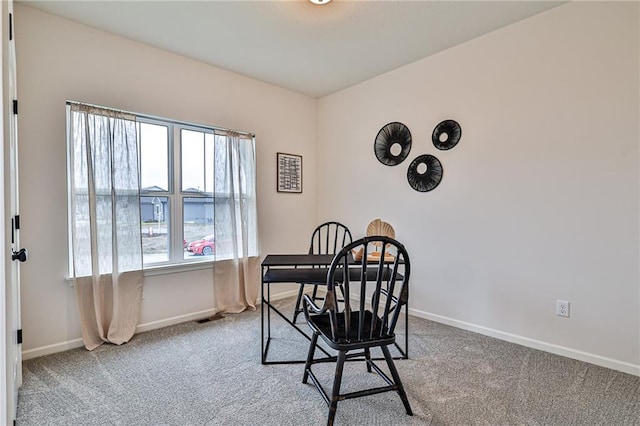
(562, 308)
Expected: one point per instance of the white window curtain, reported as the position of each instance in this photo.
(237, 265)
(105, 223)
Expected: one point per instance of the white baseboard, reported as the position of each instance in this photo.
(153, 325)
(52, 349)
(279, 296)
(613, 364)
(77, 343)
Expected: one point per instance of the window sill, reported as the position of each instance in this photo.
(151, 271)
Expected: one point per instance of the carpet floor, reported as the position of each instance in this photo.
(210, 374)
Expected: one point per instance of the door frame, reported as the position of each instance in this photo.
(10, 346)
(5, 357)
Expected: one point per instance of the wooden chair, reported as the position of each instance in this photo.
(356, 325)
(328, 238)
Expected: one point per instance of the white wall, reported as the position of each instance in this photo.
(539, 200)
(60, 60)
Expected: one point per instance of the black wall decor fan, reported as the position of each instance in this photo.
(424, 173)
(392, 144)
(446, 135)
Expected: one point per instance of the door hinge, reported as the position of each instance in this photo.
(11, 26)
(15, 106)
(17, 222)
(19, 336)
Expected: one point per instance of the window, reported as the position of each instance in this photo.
(176, 194)
(181, 192)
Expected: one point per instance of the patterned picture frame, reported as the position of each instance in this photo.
(289, 173)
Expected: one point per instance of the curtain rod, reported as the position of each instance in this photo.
(155, 117)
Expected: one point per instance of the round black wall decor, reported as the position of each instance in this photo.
(392, 144)
(424, 173)
(446, 135)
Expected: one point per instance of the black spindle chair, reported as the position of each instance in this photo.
(328, 238)
(355, 325)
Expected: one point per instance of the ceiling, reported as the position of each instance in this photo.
(310, 49)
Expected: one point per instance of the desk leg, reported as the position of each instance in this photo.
(406, 331)
(267, 302)
(269, 312)
(262, 316)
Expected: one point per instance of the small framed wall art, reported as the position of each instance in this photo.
(289, 178)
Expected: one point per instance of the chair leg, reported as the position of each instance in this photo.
(298, 309)
(341, 287)
(312, 349)
(314, 295)
(335, 394)
(396, 379)
(367, 358)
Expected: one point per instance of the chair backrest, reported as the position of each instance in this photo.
(329, 238)
(383, 274)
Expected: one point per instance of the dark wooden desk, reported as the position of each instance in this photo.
(302, 268)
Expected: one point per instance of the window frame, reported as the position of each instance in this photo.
(175, 193)
(176, 260)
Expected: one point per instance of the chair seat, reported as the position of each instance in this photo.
(346, 339)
